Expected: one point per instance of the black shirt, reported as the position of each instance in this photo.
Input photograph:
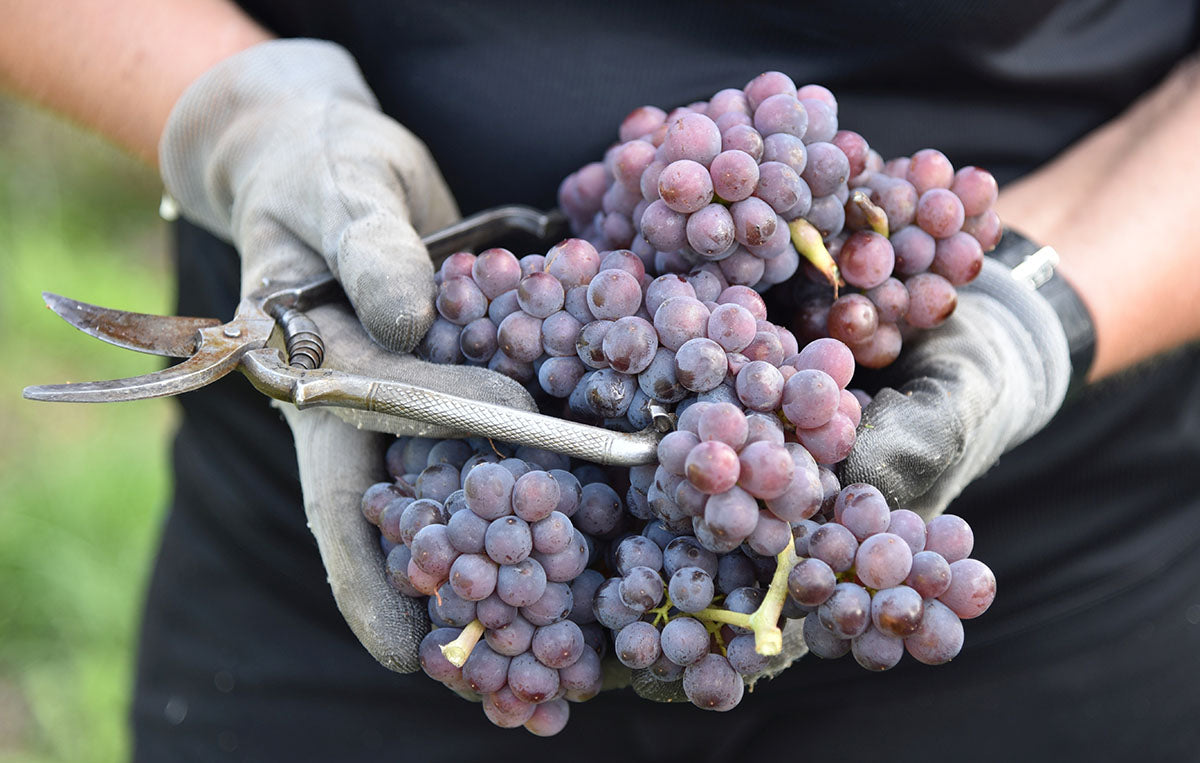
(1092, 528)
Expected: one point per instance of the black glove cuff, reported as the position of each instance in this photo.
(1013, 250)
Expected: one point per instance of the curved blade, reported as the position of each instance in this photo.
(190, 374)
(170, 336)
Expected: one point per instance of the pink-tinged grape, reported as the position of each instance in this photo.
(743, 138)
(958, 258)
(552, 534)
(822, 642)
(972, 588)
(549, 718)
(535, 495)
(760, 386)
(533, 263)
(862, 509)
(641, 121)
(520, 337)
(559, 332)
(589, 347)
(766, 85)
(828, 355)
(503, 306)
(939, 212)
(689, 417)
(713, 541)
(680, 319)
(781, 113)
(377, 497)
(707, 282)
(427, 583)
(473, 576)
(881, 349)
(855, 147)
(766, 347)
(787, 149)
(897, 167)
(897, 611)
(692, 137)
(723, 422)
(779, 185)
(663, 288)
(765, 470)
(820, 93)
(477, 341)
(754, 221)
(457, 264)
(827, 168)
(658, 380)
(700, 364)
(866, 259)
(950, 536)
(822, 120)
(614, 294)
(810, 398)
(976, 188)
(847, 611)
(731, 119)
(460, 301)
(673, 450)
(630, 344)
(834, 545)
(939, 638)
(730, 99)
(890, 298)
(710, 230)
(496, 271)
(440, 344)
(875, 650)
(803, 496)
(828, 215)
(630, 161)
(747, 298)
(852, 319)
(985, 228)
(540, 295)
(908, 525)
(742, 267)
(898, 199)
(931, 300)
(883, 560)
(649, 180)
(573, 262)
(930, 574)
(732, 326)
(770, 535)
(830, 442)
(929, 168)
(623, 259)
(712, 467)
(811, 582)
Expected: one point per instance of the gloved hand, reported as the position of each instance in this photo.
(985, 381)
(282, 150)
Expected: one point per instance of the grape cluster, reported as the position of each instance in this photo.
(759, 179)
(878, 582)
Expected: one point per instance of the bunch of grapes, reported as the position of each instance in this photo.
(755, 179)
(877, 582)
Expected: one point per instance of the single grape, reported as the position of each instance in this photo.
(866, 259)
(485, 669)
(811, 582)
(549, 718)
(734, 172)
(711, 684)
(433, 662)
(680, 319)
(847, 611)
(610, 610)
(505, 710)
(512, 638)
(835, 545)
(765, 470)
(554, 605)
(876, 650)
(700, 364)
(929, 168)
(897, 611)
(460, 301)
(852, 319)
(637, 645)
(530, 680)
(495, 271)
(691, 589)
(780, 186)
(822, 642)
(958, 258)
(939, 212)
(939, 637)
(685, 551)
(972, 588)
(521, 584)
(950, 536)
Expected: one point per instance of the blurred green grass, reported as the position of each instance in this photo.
(83, 487)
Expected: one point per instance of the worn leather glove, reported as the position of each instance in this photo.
(282, 150)
(979, 385)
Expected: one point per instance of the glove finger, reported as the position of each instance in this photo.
(271, 254)
(348, 348)
(390, 195)
(337, 464)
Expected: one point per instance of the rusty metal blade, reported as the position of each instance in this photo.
(170, 336)
(195, 372)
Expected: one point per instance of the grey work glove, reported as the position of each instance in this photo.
(282, 150)
(968, 391)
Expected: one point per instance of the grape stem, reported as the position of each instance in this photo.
(874, 214)
(458, 650)
(807, 240)
(764, 621)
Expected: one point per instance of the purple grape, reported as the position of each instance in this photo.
(610, 611)
(760, 386)
(520, 337)
(779, 186)
(630, 344)
(939, 637)
(770, 535)
(573, 262)
(684, 641)
(440, 344)
(931, 300)
(473, 576)
(496, 271)
(731, 514)
(811, 582)
(692, 137)
(835, 545)
(929, 168)
(700, 364)
(505, 710)
(822, 642)
(485, 670)
(810, 398)
(939, 212)
(897, 611)
(554, 605)
(559, 376)
(685, 551)
(950, 536)
(460, 301)
(958, 258)
(685, 186)
(853, 319)
(847, 611)
(710, 231)
(614, 294)
(875, 650)
(734, 173)
(663, 288)
(765, 470)
(637, 645)
(972, 588)
(691, 589)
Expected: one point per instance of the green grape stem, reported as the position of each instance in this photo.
(764, 621)
(807, 240)
(458, 650)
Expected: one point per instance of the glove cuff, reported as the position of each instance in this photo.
(236, 89)
(1016, 250)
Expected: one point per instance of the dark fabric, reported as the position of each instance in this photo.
(1092, 528)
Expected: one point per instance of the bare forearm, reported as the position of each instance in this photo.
(117, 66)
(1119, 209)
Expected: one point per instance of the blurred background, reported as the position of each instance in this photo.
(82, 488)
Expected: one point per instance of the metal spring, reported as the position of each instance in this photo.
(305, 348)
